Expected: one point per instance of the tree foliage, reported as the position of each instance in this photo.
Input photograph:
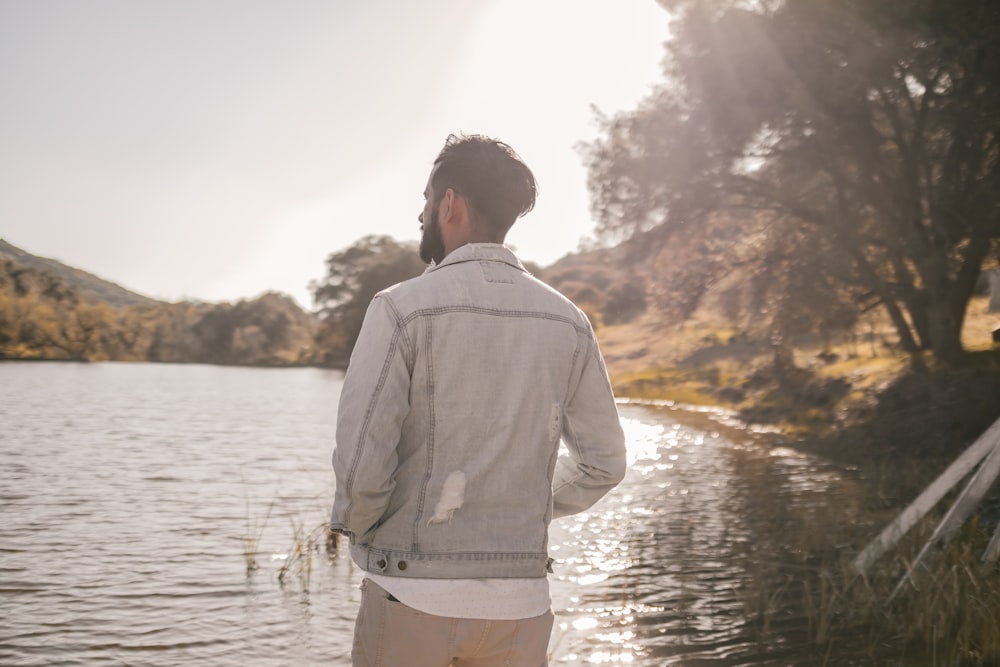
(354, 276)
(837, 152)
(263, 331)
(44, 317)
(602, 283)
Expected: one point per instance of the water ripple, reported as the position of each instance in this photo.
(123, 527)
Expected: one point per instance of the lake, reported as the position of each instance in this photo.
(131, 492)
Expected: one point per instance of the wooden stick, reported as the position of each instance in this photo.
(977, 488)
(928, 499)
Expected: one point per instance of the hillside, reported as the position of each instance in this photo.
(849, 394)
(51, 311)
(89, 286)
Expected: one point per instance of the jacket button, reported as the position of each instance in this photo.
(402, 565)
(380, 564)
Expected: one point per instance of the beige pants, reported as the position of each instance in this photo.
(390, 634)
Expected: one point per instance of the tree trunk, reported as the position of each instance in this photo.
(945, 329)
(946, 344)
(885, 293)
(947, 301)
(919, 311)
(968, 276)
(906, 339)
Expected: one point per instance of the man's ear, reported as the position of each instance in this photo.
(453, 207)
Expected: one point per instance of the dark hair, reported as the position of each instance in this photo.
(493, 179)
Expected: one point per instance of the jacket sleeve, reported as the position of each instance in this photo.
(593, 435)
(374, 401)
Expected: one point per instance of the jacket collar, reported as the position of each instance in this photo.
(479, 252)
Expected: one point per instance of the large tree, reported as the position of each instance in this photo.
(851, 144)
(354, 275)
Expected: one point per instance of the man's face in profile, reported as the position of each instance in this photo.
(431, 242)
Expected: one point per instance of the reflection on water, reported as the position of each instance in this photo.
(664, 571)
(129, 491)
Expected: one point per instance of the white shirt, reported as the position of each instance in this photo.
(489, 599)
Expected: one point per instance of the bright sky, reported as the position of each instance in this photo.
(217, 150)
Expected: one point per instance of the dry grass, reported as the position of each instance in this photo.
(705, 362)
(298, 563)
(947, 618)
(979, 325)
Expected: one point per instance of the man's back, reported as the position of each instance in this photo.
(492, 360)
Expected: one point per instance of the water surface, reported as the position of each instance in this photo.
(129, 492)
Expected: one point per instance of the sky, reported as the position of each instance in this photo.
(216, 150)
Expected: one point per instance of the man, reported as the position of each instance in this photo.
(459, 389)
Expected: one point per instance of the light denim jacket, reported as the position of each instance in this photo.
(460, 387)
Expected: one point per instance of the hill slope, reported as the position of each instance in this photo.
(90, 286)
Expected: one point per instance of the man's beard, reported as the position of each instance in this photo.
(431, 243)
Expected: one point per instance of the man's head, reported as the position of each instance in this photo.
(476, 191)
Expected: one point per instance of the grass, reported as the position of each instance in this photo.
(836, 382)
(949, 617)
(810, 594)
(686, 387)
(298, 563)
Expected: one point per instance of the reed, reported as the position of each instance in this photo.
(299, 561)
(251, 540)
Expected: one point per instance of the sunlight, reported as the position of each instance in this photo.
(561, 52)
(612, 628)
(607, 657)
(643, 440)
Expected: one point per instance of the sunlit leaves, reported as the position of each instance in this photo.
(865, 132)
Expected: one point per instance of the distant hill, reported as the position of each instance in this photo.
(89, 285)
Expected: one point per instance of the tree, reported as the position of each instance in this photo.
(268, 330)
(131, 334)
(602, 283)
(354, 276)
(855, 141)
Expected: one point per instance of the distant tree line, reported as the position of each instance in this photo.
(44, 317)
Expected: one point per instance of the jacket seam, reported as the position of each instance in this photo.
(441, 310)
(407, 343)
(363, 433)
(428, 344)
(574, 440)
